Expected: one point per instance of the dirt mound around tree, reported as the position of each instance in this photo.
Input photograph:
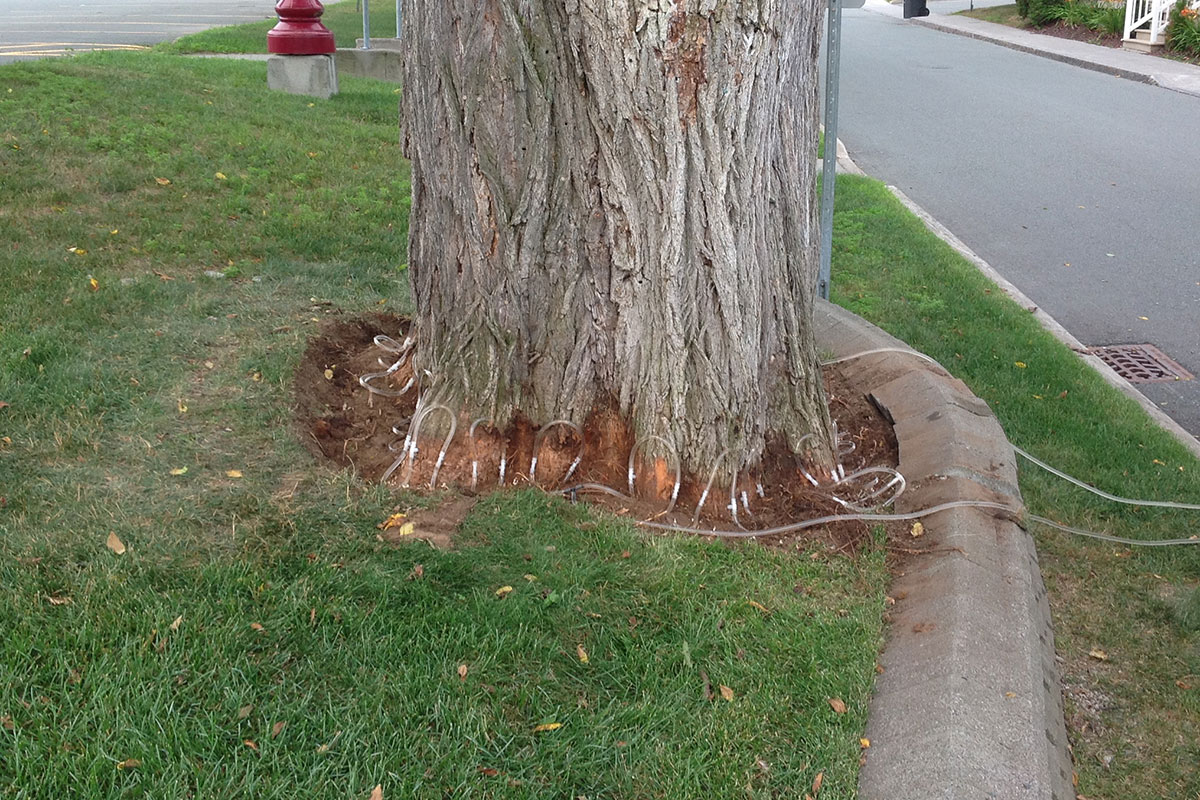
(343, 422)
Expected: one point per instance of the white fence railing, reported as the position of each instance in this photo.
(1155, 12)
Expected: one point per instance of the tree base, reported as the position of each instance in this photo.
(344, 422)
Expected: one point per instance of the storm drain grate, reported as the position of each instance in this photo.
(1141, 363)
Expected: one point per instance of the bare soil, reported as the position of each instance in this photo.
(343, 423)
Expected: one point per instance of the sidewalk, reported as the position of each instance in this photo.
(1164, 72)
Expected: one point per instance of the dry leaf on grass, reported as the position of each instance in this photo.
(233, 473)
(549, 726)
(129, 763)
(7, 723)
(57, 600)
(277, 729)
(917, 530)
(394, 521)
(837, 705)
(503, 591)
(817, 781)
(727, 693)
(488, 772)
(179, 471)
(245, 710)
(176, 623)
(583, 656)
(1098, 654)
(114, 543)
(759, 606)
(325, 748)
(377, 792)
(250, 743)
(462, 672)
(254, 626)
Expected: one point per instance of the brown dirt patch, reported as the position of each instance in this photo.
(343, 423)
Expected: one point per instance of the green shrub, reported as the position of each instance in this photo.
(1046, 12)
(1023, 7)
(1108, 18)
(1097, 15)
(1183, 30)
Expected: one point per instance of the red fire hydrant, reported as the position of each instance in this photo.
(299, 31)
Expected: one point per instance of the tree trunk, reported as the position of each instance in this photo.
(613, 202)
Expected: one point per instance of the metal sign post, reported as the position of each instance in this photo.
(833, 57)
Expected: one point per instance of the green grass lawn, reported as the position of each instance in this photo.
(1003, 15)
(1134, 717)
(343, 19)
(257, 639)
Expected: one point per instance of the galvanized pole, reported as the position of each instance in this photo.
(399, 18)
(366, 24)
(833, 47)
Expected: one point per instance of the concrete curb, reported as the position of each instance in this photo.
(969, 702)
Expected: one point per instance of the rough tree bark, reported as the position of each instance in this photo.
(613, 201)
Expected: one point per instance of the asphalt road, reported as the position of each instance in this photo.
(41, 28)
(1081, 188)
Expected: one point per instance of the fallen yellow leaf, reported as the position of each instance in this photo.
(254, 626)
(179, 471)
(583, 656)
(1019, 364)
(129, 763)
(530, 578)
(176, 623)
(93, 283)
(220, 176)
(328, 374)
(233, 473)
(759, 606)
(250, 743)
(377, 792)
(462, 672)
(1098, 654)
(917, 529)
(162, 181)
(57, 600)
(114, 543)
(114, 231)
(503, 591)
(837, 705)
(727, 693)
(864, 743)
(394, 521)
(549, 726)
(182, 406)
(817, 781)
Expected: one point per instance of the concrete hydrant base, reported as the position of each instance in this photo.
(315, 76)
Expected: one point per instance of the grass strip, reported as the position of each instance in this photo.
(256, 638)
(1130, 658)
